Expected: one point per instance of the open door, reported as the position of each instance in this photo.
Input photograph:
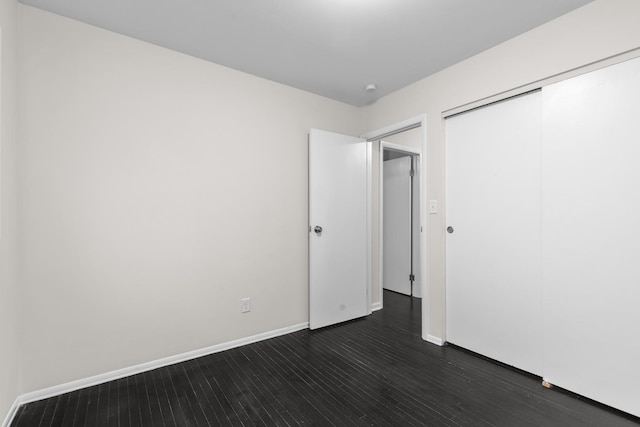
(337, 228)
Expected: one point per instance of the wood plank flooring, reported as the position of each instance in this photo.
(371, 371)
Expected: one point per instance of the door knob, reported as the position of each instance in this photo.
(449, 229)
(317, 229)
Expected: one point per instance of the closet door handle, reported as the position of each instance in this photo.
(317, 229)
(449, 229)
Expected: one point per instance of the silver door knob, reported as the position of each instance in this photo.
(449, 229)
(317, 229)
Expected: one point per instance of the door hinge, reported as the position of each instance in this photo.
(412, 278)
(412, 172)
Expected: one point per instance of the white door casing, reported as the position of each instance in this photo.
(338, 204)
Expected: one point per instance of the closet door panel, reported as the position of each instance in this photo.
(591, 235)
(493, 255)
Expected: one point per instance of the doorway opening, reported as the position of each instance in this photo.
(400, 234)
(399, 229)
(365, 288)
(400, 219)
(403, 139)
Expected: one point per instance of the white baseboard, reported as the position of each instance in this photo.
(435, 340)
(148, 366)
(376, 306)
(11, 414)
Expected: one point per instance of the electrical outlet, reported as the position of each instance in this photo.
(245, 305)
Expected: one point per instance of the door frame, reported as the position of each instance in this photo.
(412, 123)
(414, 154)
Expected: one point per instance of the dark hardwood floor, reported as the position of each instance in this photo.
(372, 371)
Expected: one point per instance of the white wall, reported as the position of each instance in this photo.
(8, 194)
(599, 30)
(158, 190)
(410, 138)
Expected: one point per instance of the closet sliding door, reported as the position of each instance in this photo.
(591, 229)
(493, 251)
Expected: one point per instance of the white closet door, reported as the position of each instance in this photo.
(493, 263)
(591, 226)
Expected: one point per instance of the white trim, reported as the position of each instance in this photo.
(377, 306)
(546, 81)
(396, 128)
(369, 222)
(424, 253)
(148, 366)
(12, 413)
(381, 224)
(435, 340)
(401, 148)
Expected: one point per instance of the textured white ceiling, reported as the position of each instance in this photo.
(329, 47)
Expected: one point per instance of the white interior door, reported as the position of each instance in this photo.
(493, 255)
(591, 224)
(396, 218)
(338, 228)
(416, 229)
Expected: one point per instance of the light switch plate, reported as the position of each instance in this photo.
(433, 206)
